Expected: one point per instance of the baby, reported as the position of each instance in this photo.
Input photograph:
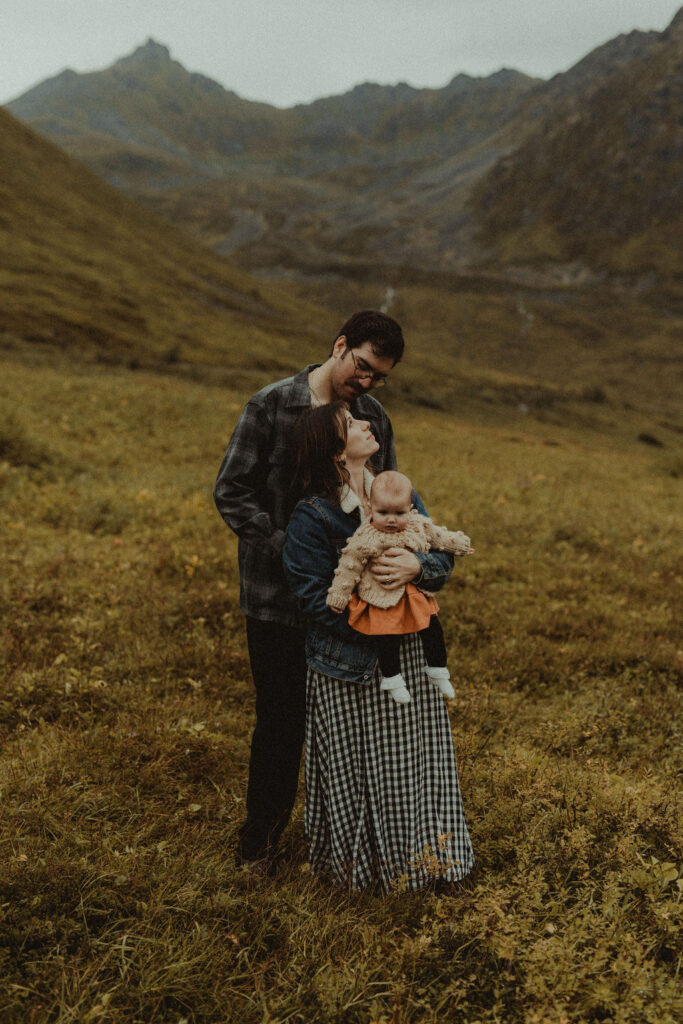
(387, 613)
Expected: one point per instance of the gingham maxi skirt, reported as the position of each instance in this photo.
(383, 804)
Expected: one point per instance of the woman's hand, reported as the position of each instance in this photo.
(395, 567)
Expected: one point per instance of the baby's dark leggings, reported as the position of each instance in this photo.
(433, 645)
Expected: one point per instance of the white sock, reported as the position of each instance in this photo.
(396, 686)
(440, 677)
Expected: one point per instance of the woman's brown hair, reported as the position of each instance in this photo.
(318, 442)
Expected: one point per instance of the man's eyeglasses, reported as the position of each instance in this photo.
(366, 373)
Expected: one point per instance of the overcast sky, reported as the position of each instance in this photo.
(292, 51)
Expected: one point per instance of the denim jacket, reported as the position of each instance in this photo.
(254, 486)
(316, 534)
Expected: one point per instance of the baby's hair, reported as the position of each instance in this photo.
(391, 483)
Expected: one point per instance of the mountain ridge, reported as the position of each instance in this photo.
(194, 152)
(602, 178)
(390, 174)
(91, 278)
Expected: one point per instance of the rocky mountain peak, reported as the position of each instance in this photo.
(676, 26)
(507, 76)
(150, 53)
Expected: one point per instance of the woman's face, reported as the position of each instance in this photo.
(360, 441)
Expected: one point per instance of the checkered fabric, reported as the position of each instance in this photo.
(253, 491)
(383, 804)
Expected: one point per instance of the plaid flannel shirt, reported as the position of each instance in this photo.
(253, 489)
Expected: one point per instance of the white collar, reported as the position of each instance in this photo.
(349, 500)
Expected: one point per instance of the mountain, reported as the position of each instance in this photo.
(600, 178)
(601, 62)
(87, 272)
(504, 170)
(146, 114)
(318, 185)
(149, 102)
(89, 276)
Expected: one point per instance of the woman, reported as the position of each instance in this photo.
(382, 796)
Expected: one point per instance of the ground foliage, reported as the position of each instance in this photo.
(126, 708)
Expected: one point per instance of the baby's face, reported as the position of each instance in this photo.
(390, 511)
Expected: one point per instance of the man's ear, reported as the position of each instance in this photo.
(339, 346)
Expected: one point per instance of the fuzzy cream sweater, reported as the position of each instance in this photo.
(420, 534)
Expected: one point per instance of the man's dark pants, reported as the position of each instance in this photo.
(278, 667)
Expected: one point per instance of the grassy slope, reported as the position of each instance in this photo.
(600, 179)
(86, 271)
(88, 274)
(590, 356)
(126, 708)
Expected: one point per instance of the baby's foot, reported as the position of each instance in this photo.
(440, 677)
(396, 686)
(400, 695)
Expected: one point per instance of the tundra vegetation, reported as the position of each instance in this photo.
(537, 408)
(126, 708)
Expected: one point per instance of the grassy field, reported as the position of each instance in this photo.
(126, 710)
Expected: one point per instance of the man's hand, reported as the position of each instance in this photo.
(395, 567)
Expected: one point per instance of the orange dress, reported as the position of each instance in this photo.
(411, 614)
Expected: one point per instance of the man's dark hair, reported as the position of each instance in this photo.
(383, 333)
(318, 440)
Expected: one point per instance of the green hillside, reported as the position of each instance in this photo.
(90, 276)
(599, 180)
(86, 271)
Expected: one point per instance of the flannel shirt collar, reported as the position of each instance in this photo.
(350, 500)
(299, 394)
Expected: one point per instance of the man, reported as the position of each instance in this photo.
(252, 494)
